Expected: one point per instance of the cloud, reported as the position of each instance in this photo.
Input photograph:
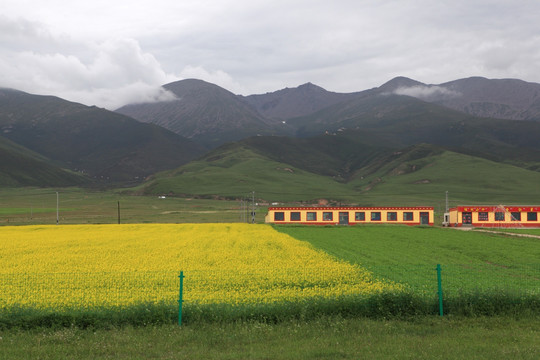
(425, 92)
(108, 74)
(75, 48)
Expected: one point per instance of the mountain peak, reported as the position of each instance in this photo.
(293, 102)
(399, 82)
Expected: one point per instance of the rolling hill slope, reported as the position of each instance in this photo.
(22, 167)
(100, 143)
(235, 170)
(415, 175)
(427, 172)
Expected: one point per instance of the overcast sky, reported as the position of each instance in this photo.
(108, 53)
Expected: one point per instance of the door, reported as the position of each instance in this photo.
(467, 218)
(424, 218)
(343, 218)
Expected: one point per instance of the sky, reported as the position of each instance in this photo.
(110, 53)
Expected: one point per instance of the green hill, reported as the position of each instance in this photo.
(419, 174)
(22, 167)
(101, 144)
(427, 172)
(235, 170)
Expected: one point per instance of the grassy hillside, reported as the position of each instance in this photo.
(335, 156)
(235, 171)
(22, 167)
(468, 179)
(100, 143)
(418, 175)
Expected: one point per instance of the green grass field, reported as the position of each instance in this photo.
(470, 260)
(23, 206)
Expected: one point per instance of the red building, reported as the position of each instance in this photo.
(493, 216)
(418, 215)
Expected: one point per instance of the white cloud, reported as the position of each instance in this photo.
(107, 74)
(427, 92)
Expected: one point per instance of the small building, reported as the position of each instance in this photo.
(493, 216)
(418, 215)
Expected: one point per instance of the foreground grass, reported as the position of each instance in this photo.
(324, 338)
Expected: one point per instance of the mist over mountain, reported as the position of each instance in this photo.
(495, 98)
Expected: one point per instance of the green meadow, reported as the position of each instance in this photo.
(23, 206)
(471, 262)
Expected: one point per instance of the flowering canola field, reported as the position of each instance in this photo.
(84, 266)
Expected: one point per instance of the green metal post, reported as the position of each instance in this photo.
(439, 284)
(180, 298)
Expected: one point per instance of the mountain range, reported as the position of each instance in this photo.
(201, 110)
(209, 141)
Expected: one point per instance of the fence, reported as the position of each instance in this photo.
(265, 286)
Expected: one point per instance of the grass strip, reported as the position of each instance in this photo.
(384, 305)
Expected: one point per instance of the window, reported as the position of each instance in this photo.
(279, 216)
(311, 216)
(516, 216)
(327, 216)
(375, 216)
(499, 216)
(295, 216)
(532, 216)
(360, 216)
(391, 216)
(408, 216)
(482, 216)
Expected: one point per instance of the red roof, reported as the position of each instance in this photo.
(330, 208)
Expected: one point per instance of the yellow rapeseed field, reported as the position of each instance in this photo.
(115, 265)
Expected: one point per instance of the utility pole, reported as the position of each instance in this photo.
(253, 207)
(57, 202)
(118, 212)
